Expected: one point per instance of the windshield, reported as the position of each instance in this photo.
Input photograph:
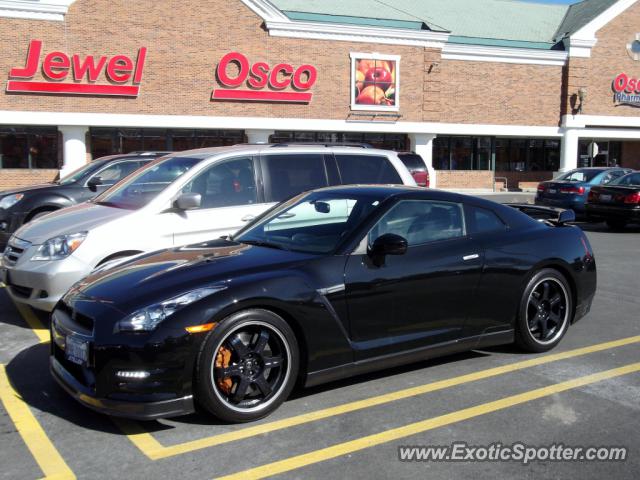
(580, 175)
(138, 190)
(76, 175)
(313, 223)
(631, 180)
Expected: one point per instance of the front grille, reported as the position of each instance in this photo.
(73, 321)
(15, 249)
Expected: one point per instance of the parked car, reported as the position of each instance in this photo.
(374, 277)
(416, 166)
(571, 189)
(21, 205)
(617, 203)
(183, 198)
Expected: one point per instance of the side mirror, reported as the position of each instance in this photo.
(389, 244)
(188, 201)
(94, 183)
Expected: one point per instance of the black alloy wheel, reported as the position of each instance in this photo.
(545, 311)
(248, 366)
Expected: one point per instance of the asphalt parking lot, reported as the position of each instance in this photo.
(585, 393)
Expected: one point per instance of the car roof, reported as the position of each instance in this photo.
(246, 148)
(137, 155)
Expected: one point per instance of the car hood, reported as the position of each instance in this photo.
(30, 188)
(78, 218)
(164, 274)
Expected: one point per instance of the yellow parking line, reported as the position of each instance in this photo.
(34, 322)
(43, 451)
(387, 436)
(154, 450)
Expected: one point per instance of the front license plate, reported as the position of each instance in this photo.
(605, 198)
(76, 350)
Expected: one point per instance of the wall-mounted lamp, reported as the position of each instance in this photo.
(432, 66)
(582, 96)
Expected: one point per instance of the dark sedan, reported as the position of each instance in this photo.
(329, 284)
(570, 190)
(22, 205)
(617, 203)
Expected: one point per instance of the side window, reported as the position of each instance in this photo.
(421, 221)
(485, 221)
(227, 184)
(116, 172)
(288, 175)
(369, 169)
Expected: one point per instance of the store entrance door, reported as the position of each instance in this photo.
(599, 153)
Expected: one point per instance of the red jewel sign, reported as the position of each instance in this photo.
(84, 71)
(281, 83)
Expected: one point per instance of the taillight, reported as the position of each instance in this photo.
(573, 190)
(421, 178)
(632, 198)
(593, 196)
(541, 187)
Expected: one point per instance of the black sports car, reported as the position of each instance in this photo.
(329, 284)
(21, 205)
(617, 203)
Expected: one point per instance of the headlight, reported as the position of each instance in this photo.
(60, 247)
(149, 318)
(10, 200)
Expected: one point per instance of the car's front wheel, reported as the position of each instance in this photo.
(545, 311)
(247, 366)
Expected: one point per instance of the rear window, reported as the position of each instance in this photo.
(412, 161)
(578, 176)
(367, 169)
(289, 175)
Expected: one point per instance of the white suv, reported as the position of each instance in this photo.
(183, 198)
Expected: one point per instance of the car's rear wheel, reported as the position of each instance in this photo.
(247, 366)
(545, 311)
(616, 224)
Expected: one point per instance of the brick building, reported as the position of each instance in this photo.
(484, 90)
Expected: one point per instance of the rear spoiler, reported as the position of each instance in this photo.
(555, 216)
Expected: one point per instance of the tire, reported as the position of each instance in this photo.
(247, 366)
(545, 311)
(616, 224)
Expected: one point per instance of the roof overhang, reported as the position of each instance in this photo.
(582, 41)
(35, 9)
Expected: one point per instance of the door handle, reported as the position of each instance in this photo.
(473, 256)
(248, 218)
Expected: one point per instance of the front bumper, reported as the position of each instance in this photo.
(41, 284)
(9, 223)
(119, 408)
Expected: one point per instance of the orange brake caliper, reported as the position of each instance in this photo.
(223, 359)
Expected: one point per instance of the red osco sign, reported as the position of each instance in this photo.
(624, 83)
(265, 83)
(85, 72)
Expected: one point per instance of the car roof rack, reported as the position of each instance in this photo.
(322, 144)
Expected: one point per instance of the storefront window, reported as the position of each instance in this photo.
(389, 141)
(109, 141)
(462, 153)
(527, 155)
(27, 147)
